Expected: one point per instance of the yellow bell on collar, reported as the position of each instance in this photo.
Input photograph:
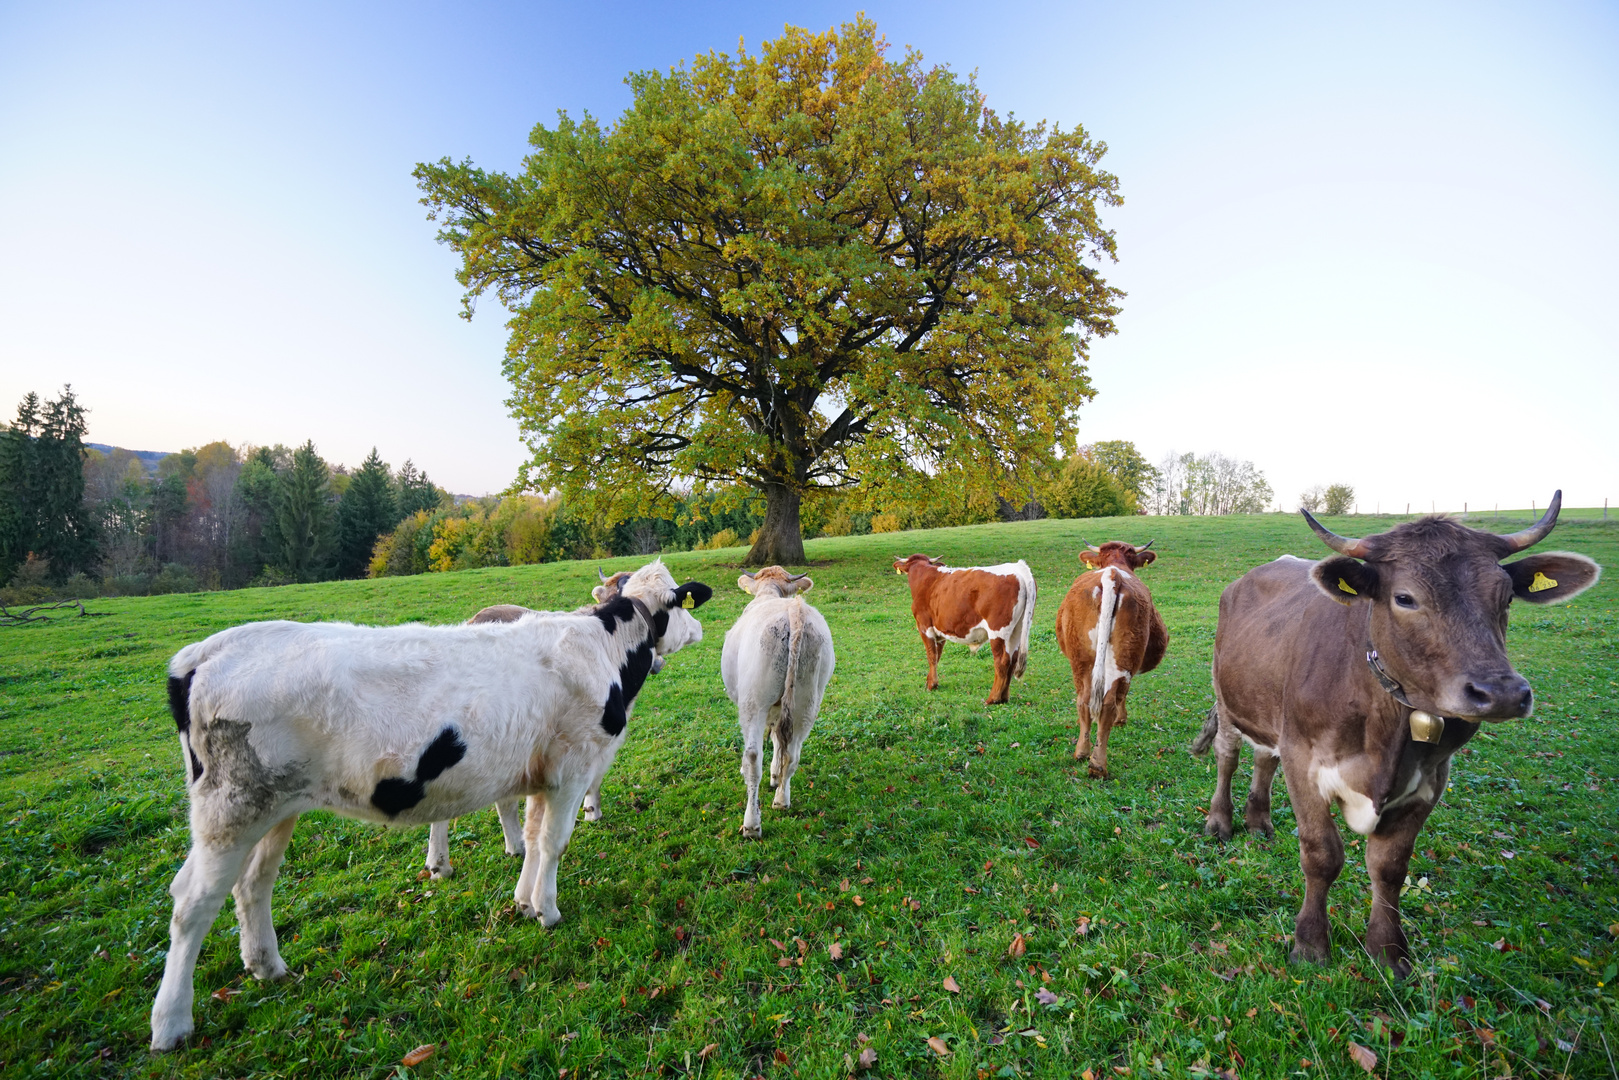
(1426, 727)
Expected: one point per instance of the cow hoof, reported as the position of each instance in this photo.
(551, 919)
(1220, 830)
(1304, 953)
(527, 910)
(751, 832)
(272, 969)
(593, 813)
(1096, 773)
(1082, 749)
(1261, 828)
(166, 1038)
(441, 873)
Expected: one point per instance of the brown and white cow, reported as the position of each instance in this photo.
(973, 605)
(1361, 675)
(1110, 632)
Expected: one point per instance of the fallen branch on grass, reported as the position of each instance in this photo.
(31, 614)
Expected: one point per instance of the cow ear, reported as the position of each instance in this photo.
(745, 583)
(1345, 579)
(803, 584)
(693, 594)
(1145, 558)
(1089, 558)
(1552, 576)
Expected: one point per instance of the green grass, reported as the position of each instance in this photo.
(958, 826)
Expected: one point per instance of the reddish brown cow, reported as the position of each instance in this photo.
(972, 605)
(1110, 632)
(1361, 675)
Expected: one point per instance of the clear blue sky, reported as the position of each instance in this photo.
(1373, 244)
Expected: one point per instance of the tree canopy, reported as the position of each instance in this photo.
(807, 269)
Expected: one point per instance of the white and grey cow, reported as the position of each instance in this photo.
(776, 663)
(400, 725)
(511, 825)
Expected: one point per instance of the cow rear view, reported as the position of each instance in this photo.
(1110, 631)
(775, 665)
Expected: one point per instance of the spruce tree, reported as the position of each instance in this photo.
(305, 526)
(367, 510)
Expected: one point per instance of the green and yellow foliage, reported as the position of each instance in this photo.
(792, 271)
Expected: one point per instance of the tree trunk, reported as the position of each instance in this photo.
(781, 541)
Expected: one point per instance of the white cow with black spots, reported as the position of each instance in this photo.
(776, 663)
(401, 725)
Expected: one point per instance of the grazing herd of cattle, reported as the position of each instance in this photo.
(420, 724)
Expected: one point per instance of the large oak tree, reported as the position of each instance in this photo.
(814, 268)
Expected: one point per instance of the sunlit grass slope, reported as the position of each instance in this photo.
(929, 832)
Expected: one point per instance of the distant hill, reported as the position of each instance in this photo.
(147, 458)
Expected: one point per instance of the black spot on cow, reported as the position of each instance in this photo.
(440, 754)
(180, 700)
(180, 706)
(614, 714)
(633, 672)
(394, 795)
(620, 609)
(660, 625)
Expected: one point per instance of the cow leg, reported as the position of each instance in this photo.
(788, 744)
(1112, 713)
(1227, 748)
(438, 851)
(1321, 856)
(753, 738)
(199, 890)
(546, 840)
(1388, 857)
(593, 801)
(1001, 691)
(935, 649)
(534, 812)
(260, 955)
(511, 826)
(1082, 701)
(1256, 815)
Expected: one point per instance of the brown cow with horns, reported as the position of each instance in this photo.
(1361, 675)
(1110, 632)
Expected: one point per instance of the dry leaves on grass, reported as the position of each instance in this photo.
(225, 993)
(1046, 997)
(419, 1055)
(951, 985)
(1083, 925)
(1018, 947)
(938, 1046)
(868, 1058)
(1362, 1056)
(836, 950)
(708, 1051)
(1031, 842)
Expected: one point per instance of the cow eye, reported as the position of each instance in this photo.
(1405, 600)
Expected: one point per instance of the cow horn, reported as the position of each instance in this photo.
(1088, 545)
(1535, 533)
(798, 577)
(1147, 545)
(1343, 545)
(601, 575)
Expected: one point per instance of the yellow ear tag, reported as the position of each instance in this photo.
(689, 602)
(1344, 585)
(898, 571)
(1542, 583)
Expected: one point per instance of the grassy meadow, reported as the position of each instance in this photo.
(931, 837)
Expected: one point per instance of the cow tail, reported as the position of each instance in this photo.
(1104, 642)
(181, 672)
(795, 638)
(1211, 728)
(1021, 636)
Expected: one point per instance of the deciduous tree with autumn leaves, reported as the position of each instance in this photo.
(812, 268)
